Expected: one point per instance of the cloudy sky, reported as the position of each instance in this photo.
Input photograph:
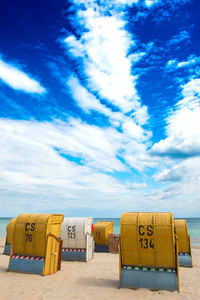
(100, 107)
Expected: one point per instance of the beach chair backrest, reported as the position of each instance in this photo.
(35, 244)
(101, 232)
(148, 244)
(184, 245)
(10, 230)
(73, 232)
(182, 235)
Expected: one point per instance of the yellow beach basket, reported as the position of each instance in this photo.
(35, 244)
(101, 233)
(9, 236)
(148, 251)
(184, 245)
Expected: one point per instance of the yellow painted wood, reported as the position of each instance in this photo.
(183, 236)
(101, 232)
(148, 239)
(52, 254)
(10, 230)
(31, 238)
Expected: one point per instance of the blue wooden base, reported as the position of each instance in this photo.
(153, 280)
(26, 266)
(101, 248)
(7, 249)
(73, 256)
(185, 260)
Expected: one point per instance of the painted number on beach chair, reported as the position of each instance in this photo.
(29, 227)
(29, 237)
(71, 232)
(146, 231)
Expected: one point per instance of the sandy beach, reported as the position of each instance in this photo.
(97, 279)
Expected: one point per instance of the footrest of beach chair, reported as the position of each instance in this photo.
(7, 250)
(185, 260)
(149, 278)
(101, 248)
(74, 254)
(27, 264)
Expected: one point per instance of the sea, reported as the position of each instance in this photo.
(193, 226)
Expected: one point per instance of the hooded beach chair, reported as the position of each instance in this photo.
(184, 245)
(9, 235)
(148, 252)
(101, 233)
(78, 243)
(35, 245)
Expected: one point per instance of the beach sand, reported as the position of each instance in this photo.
(95, 280)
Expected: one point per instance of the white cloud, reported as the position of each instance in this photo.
(35, 166)
(33, 173)
(182, 36)
(191, 92)
(103, 49)
(171, 3)
(19, 80)
(107, 3)
(126, 2)
(183, 129)
(171, 64)
(137, 185)
(183, 191)
(135, 57)
(107, 82)
(131, 129)
(174, 64)
(191, 61)
(150, 3)
(181, 151)
(75, 46)
(96, 147)
(137, 158)
(88, 102)
(174, 174)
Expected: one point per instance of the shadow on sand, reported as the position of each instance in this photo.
(101, 282)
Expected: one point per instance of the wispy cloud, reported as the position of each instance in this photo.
(103, 49)
(31, 165)
(137, 185)
(190, 62)
(17, 79)
(183, 129)
(150, 3)
(102, 148)
(179, 152)
(172, 3)
(174, 174)
(182, 36)
(105, 83)
(86, 100)
(159, 10)
(183, 189)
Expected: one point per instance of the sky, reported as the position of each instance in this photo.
(100, 107)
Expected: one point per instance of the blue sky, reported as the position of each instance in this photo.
(100, 107)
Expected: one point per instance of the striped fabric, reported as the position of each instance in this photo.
(28, 257)
(73, 250)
